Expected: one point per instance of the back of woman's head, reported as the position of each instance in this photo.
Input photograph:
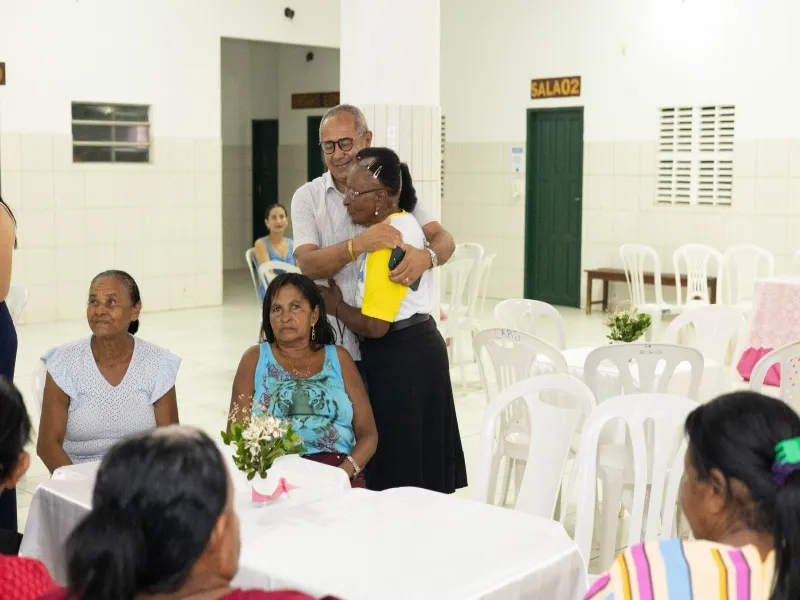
(156, 501)
(15, 428)
(737, 435)
(385, 166)
(322, 330)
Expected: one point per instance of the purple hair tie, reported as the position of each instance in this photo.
(787, 460)
(780, 473)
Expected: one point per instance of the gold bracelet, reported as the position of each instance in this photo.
(356, 468)
(350, 250)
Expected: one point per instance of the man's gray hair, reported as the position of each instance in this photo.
(353, 111)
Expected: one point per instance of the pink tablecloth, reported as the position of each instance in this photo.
(775, 322)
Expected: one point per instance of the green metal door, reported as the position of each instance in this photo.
(316, 164)
(553, 205)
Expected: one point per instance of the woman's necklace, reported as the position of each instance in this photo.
(295, 371)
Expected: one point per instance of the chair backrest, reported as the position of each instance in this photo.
(482, 275)
(454, 279)
(523, 315)
(789, 359)
(16, 300)
(646, 358)
(270, 270)
(697, 258)
(468, 251)
(715, 327)
(510, 355)
(634, 260)
(37, 383)
(552, 429)
(655, 426)
(743, 264)
(473, 253)
(250, 259)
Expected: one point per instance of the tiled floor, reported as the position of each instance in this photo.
(211, 341)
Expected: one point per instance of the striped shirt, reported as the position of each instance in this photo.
(683, 570)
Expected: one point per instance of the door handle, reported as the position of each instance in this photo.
(577, 199)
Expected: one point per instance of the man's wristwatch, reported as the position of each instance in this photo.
(434, 258)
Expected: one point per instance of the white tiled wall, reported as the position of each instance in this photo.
(478, 206)
(161, 222)
(619, 205)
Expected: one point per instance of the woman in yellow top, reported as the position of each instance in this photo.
(741, 496)
(404, 357)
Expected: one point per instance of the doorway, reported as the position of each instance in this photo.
(265, 172)
(553, 205)
(316, 164)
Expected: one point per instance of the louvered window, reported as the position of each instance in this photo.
(695, 155)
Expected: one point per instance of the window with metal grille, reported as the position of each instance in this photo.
(110, 133)
(695, 155)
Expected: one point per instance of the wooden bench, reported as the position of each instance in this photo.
(608, 275)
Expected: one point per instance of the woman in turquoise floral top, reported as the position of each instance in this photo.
(297, 373)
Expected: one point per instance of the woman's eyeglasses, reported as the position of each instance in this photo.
(346, 144)
(353, 194)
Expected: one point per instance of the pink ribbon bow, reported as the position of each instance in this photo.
(284, 487)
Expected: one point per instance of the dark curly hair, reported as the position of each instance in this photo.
(323, 331)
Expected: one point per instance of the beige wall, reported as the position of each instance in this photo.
(161, 222)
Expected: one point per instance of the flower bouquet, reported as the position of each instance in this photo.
(259, 440)
(627, 325)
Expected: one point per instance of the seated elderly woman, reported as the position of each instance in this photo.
(104, 387)
(741, 496)
(162, 525)
(298, 374)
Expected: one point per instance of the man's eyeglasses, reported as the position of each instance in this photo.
(346, 144)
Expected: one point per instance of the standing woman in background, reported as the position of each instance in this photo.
(274, 246)
(8, 342)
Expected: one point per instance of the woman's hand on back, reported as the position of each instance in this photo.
(332, 296)
(377, 237)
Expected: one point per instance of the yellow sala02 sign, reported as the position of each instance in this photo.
(555, 87)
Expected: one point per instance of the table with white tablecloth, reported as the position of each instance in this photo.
(609, 383)
(397, 544)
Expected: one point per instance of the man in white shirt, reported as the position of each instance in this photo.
(325, 239)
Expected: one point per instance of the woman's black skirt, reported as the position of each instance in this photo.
(419, 445)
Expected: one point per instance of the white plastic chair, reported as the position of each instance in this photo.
(657, 467)
(523, 315)
(743, 265)
(717, 329)
(454, 281)
(250, 259)
(267, 271)
(696, 257)
(509, 357)
(789, 359)
(646, 358)
(635, 258)
(38, 379)
(552, 428)
(478, 299)
(16, 300)
(473, 253)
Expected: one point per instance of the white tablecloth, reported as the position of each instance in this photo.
(394, 545)
(609, 383)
